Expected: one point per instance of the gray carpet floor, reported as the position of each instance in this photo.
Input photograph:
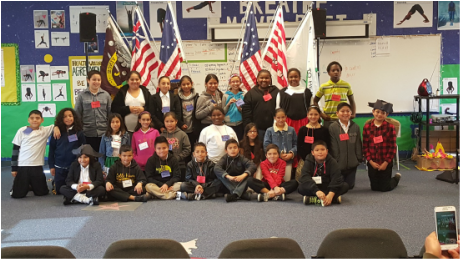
(408, 210)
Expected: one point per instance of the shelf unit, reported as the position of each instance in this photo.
(447, 176)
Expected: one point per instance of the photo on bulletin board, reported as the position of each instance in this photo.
(157, 13)
(40, 19)
(60, 39)
(11, 75)
(450, 86)
(60, 92)
(58, 19)
(42, 39)
(448, 18)
(27, 73)
(48, 110)
(93, 47)
(43, 73)
(59, 72)
(125, 14)
(413, 14)
(201, 9)
(28, 92)
(44, 92)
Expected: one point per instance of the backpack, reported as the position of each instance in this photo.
(425, 88)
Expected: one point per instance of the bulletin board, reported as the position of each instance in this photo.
(10, 77)
(77, 72)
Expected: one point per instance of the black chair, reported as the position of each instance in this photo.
(362, 243)
(263, 248)
(146, 248)
(30, 252)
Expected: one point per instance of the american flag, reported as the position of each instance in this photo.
(251, 54)
(170, 58)
(143, 59)
(274, 56)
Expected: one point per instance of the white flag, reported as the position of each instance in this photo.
(297, 51)
(312, 69)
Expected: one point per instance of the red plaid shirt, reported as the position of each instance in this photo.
(379, 152)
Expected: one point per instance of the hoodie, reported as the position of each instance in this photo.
(119, 172)
(257, 110)
(331, 174)
(205, 105)
(170, 167)
(139, 138)
(188, 117)
(178, 143)
(193, 170)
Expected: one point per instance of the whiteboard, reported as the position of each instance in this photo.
(394, 77)
(205, 51)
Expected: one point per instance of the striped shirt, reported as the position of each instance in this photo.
(341, 88)
(381, 151)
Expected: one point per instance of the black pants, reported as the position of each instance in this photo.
(29, 175)
(60, 178)
(123, 194)
(382, 180)
(69, 193)
(238, 129)
(349, 176)
(304, 190)
(94, 142)
(261, 134)
(258, 185)
(209, 188)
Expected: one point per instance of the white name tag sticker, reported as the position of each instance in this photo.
(127, 183)
(318, 180)
(116, 144)
(143, 146)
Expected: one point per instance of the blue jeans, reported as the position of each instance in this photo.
(234, 187)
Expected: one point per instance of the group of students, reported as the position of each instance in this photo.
(146, 159)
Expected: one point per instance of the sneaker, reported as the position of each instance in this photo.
(148, 196)
(11, 192)
(95, 201)
(246, 195)
(199, 197)
(312, 200)
(398, 176)
(230, 197)
(187, 196)
(140, 198)
(338, 200)
(89, 201)
(262, 197)
(280, 197)
(66, 201)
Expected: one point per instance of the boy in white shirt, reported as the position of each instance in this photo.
(28, 157)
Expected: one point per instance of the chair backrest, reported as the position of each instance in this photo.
(28, 252)
(362, 243)
(146, 248)
(263, 248)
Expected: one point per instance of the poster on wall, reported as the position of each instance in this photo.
(201, 9)
(44, 92)
(125, 14)
(59, 72)
(42, 39)
(59, 92)
(28, 92)
(93, 47)
(448, 18)
(40, 19)
(77, 71)
(43, 73)
(450, 86)
(58, 19)
(60, 39)
(48, 110)
(157, 12)
(99, 10)
(409, 14)
(27, 73)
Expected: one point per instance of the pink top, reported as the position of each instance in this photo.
(143, 146)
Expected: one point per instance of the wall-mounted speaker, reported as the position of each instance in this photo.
(320, 22)
(87, 27)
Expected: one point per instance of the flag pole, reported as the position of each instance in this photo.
(141, 15)
(238, 47)
(120, 30)
(269, 30)
(178, 36)
(299, 25)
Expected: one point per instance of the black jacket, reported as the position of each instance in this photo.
(118, 173)
(331, 178)
(95, 173)
(257, 110)
(234, 166)
(155, 108)
(195, 121)
(193, 170)
(118, 105)
(154, 170)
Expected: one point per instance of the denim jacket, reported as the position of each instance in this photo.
(286, 139)
(106, 146)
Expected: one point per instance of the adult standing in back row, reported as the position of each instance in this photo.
(131, 100)
(259, 107)
(93, 105)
